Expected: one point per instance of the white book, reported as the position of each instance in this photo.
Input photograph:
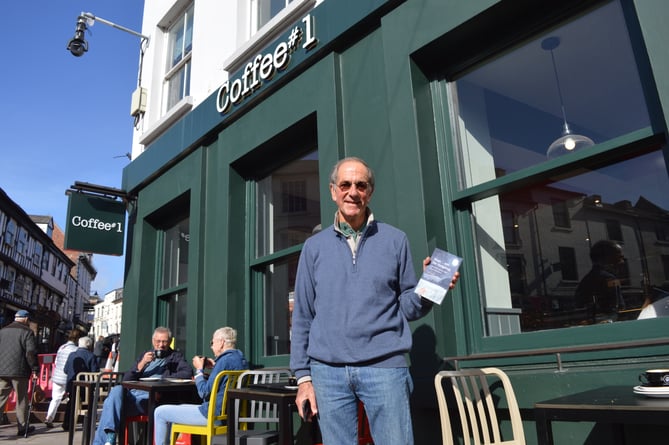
(437, 277)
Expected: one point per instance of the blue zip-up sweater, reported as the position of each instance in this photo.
(354, 308)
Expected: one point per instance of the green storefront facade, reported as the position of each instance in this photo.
(453, 104)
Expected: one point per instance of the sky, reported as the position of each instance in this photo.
(62, 118)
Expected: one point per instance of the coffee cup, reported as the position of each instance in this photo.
(159, 353)
(655, 377)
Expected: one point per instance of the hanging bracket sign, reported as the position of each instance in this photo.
(95, 224)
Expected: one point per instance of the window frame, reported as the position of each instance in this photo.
(174, 69)
(459, 201)
(280, 257)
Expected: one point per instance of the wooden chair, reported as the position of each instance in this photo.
(216, 420)
(477, 408)
(252, 413)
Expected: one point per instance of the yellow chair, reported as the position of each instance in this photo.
(476, 408)
(216, 421)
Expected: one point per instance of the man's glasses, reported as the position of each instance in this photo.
(361, 186)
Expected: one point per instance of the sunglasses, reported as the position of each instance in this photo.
(361, 186)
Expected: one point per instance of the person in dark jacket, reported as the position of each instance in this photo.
(101, 351)
(161, 361)
(18, 360)
(81, 359)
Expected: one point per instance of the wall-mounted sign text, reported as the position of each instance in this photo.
(263, 67)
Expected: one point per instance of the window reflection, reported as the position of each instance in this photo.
(512, 108)
(175, 254)
(288, 205)
(605, 265)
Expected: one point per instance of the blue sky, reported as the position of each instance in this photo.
(64, 119)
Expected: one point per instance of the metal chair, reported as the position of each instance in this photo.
(88, 399)
(81, 403)
(252, 413)
(216, 420)
(477, 408)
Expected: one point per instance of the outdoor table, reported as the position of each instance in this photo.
(617, 405)
(160, 392)
(273, 393)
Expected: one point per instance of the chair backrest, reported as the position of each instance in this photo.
(83, 396)
(106, 380)
(254, 411)
(476, 407)
(217, 416)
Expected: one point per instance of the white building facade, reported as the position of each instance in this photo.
(107, 318)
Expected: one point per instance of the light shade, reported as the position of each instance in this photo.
(568, 143)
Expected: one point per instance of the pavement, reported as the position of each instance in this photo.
(41, 435)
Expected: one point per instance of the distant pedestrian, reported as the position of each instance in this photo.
(101, 351)
(81, 360)
(18, 360)
(59, 378)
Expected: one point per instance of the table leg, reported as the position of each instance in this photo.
(285, 423)
(71, 421)
(544, 429)
(232, 420)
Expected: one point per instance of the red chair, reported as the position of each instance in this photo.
(141, 418)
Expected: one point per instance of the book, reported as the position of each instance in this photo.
(437, 276)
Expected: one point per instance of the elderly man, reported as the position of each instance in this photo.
(18, 359)
(354, 298)
(226, 357)
(161, 361)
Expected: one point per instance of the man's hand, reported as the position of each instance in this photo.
(148, 357)
(427, 261)
(305, 393)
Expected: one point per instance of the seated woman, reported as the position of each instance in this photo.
(223, 344)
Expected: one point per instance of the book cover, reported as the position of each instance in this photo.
(437, 277)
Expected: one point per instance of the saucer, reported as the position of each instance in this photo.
(652, 391)
(150, 379)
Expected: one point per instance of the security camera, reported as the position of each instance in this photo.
(78, 45)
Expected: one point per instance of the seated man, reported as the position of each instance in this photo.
(161, 361)
(227, 357)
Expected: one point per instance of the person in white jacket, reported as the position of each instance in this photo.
(59, 378)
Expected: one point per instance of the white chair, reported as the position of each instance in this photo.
(476, 408)
(260, 416)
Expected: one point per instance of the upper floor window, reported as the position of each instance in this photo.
(177, 77)
(22, 241)
(264, 10)
(10, 232)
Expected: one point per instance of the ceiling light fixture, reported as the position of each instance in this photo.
(568, 142)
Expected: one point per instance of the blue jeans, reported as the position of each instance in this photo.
(135, 403)
(385, 393)
(165, 415)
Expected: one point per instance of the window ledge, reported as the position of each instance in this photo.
(265, 35)
(174, 114)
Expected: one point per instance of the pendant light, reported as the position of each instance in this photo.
(568, 142)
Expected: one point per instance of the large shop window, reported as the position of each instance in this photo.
(177, 76)
(565, 236)
(174, 279)
(287, 213)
